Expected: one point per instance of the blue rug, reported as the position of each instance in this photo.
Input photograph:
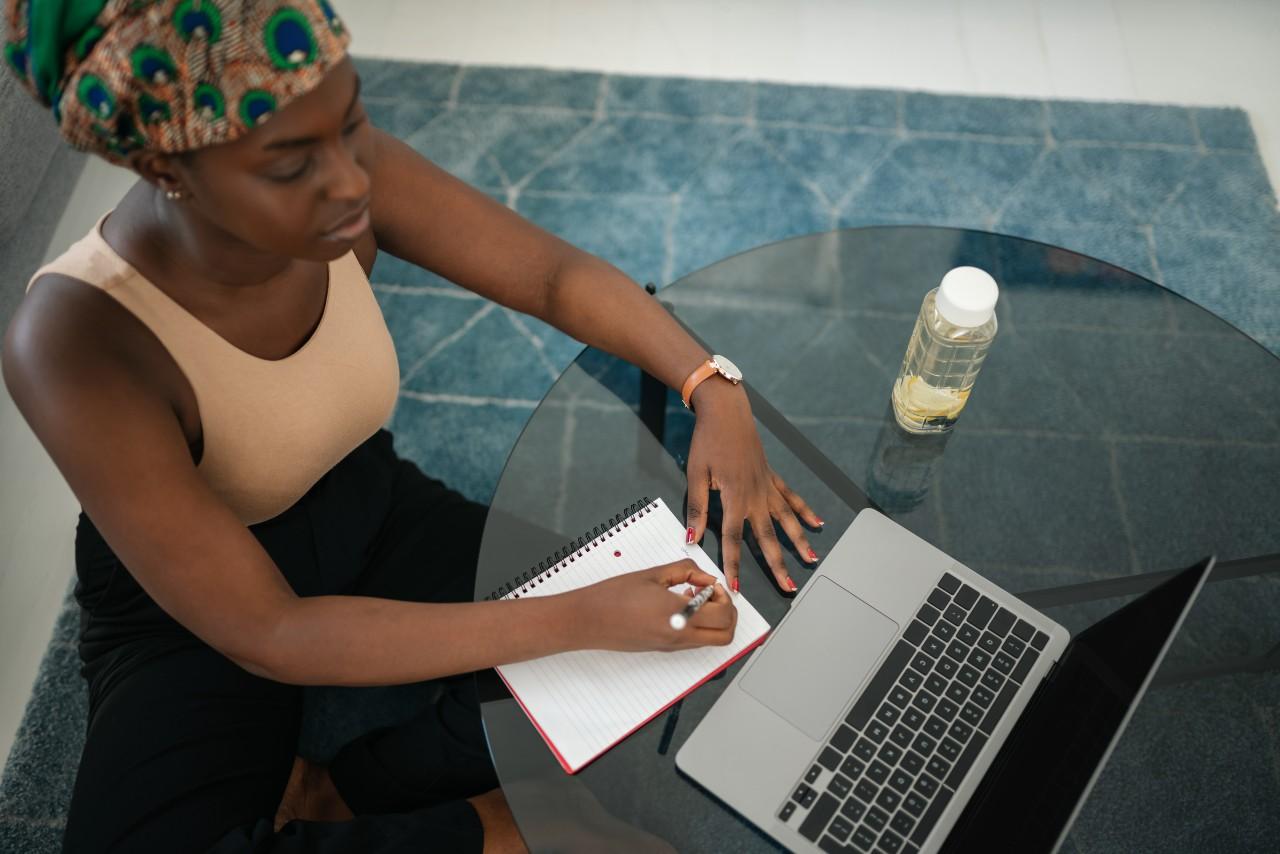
(663, 176)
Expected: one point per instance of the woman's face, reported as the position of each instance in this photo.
(297, 185)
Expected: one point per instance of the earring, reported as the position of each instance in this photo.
(173, 195)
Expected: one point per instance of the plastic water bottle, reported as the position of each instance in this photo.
(953, 332)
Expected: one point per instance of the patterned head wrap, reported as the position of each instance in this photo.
(168, 75)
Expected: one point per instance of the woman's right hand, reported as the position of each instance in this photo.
(632, 612)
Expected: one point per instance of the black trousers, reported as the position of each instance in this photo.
(186, 751)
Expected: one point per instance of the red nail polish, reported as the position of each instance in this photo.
(734, 585)
(688, 536)
(792, 584)
(813, 555)
(820, 522)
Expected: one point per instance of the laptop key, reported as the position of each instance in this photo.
(1039, 640)
(853, 810)
(938, 767)
(979, 659)
(954, 613)
(989, 643)
(888, 799)
(914, 804)
(842, 738)
(949, 583)
(831, 845)
(946, 710)
(1002, 622)
(936, 727)
(840, 786)
(957, 650)
(880, 684)
(993, 680)
(901, 736)
(945, 668)
(971, 714)
(982, 696)
(1003, 663)
(1025, 664)
(922, 663)
(966, 597)
(916, 632)
(933, 646)
(930, 818)
(965, 761)
(944, 630)
(787, 809)
(840, 828)
(997, 708)
(935, 683)
(912, 762)
(939, 599)
(829, 759)
(924, 745)
(878, 771)
(1013, 646)
(913, 718)
(804, 796)
(864, 838)
(910, 679)
(900, 781)
(851, 768)
(981, 613)
(968, 675)
(949, 749)
(926, 785)
(890, 842)
(876, 819)
(899, 696)
(928, 615)
(817, 819)
(814, 773)
(960, 731)
(902, 823)
(1023, 630)
(864, 749)
(968, 634)
(890, 754)
(876, 731)
(887, 714)
(865, 791)
(924, 701)
(957, 693)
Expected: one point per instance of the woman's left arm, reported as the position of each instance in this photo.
(430, 218)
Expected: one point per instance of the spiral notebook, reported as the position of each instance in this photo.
(584, 702)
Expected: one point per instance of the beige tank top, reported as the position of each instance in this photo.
(272, 428)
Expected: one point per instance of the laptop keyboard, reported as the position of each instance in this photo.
(894, 763)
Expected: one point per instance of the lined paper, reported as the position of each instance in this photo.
(584, 702)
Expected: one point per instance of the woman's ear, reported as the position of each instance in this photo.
(161, 170)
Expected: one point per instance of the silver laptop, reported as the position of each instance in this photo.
(905, 704)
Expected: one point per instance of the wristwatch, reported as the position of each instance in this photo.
(715, 365)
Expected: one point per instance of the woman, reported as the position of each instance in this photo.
(209, 370)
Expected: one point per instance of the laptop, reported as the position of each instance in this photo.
(905, 704)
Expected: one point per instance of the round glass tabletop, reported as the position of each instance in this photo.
(1116, 432)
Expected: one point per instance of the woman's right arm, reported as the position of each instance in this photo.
(81, 370)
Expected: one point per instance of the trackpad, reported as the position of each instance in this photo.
(808, 671)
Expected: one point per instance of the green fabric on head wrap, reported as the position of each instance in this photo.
(55, 26)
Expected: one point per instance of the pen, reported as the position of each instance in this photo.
(681, 619)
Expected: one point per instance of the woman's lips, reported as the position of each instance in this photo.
(351, 231)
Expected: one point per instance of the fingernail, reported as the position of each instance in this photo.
(813, 555)
(734, 585)
(792, 584)
(820, 522)
(688, 536)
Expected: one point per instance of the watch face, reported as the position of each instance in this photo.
(729, 369)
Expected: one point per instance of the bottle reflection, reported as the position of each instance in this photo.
(902, 466)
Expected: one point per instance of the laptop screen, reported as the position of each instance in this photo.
(1045, 769)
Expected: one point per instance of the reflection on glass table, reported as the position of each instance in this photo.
(1117, 432)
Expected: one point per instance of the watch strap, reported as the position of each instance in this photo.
(704, 371)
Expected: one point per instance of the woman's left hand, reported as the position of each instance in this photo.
(726, 454)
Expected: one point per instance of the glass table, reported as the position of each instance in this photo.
(1117, 433)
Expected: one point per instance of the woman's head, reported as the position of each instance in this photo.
(247, 111)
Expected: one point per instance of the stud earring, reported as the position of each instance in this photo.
(173, 195)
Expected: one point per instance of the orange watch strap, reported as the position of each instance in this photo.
(700, 373)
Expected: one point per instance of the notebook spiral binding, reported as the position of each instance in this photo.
(565, 555)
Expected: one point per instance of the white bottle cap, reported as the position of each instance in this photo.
(967, 296)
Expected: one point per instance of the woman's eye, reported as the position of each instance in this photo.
(291, 175)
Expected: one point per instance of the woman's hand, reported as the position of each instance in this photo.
(726, 454)
(632, 612)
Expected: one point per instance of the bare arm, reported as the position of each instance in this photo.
(82, 371)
